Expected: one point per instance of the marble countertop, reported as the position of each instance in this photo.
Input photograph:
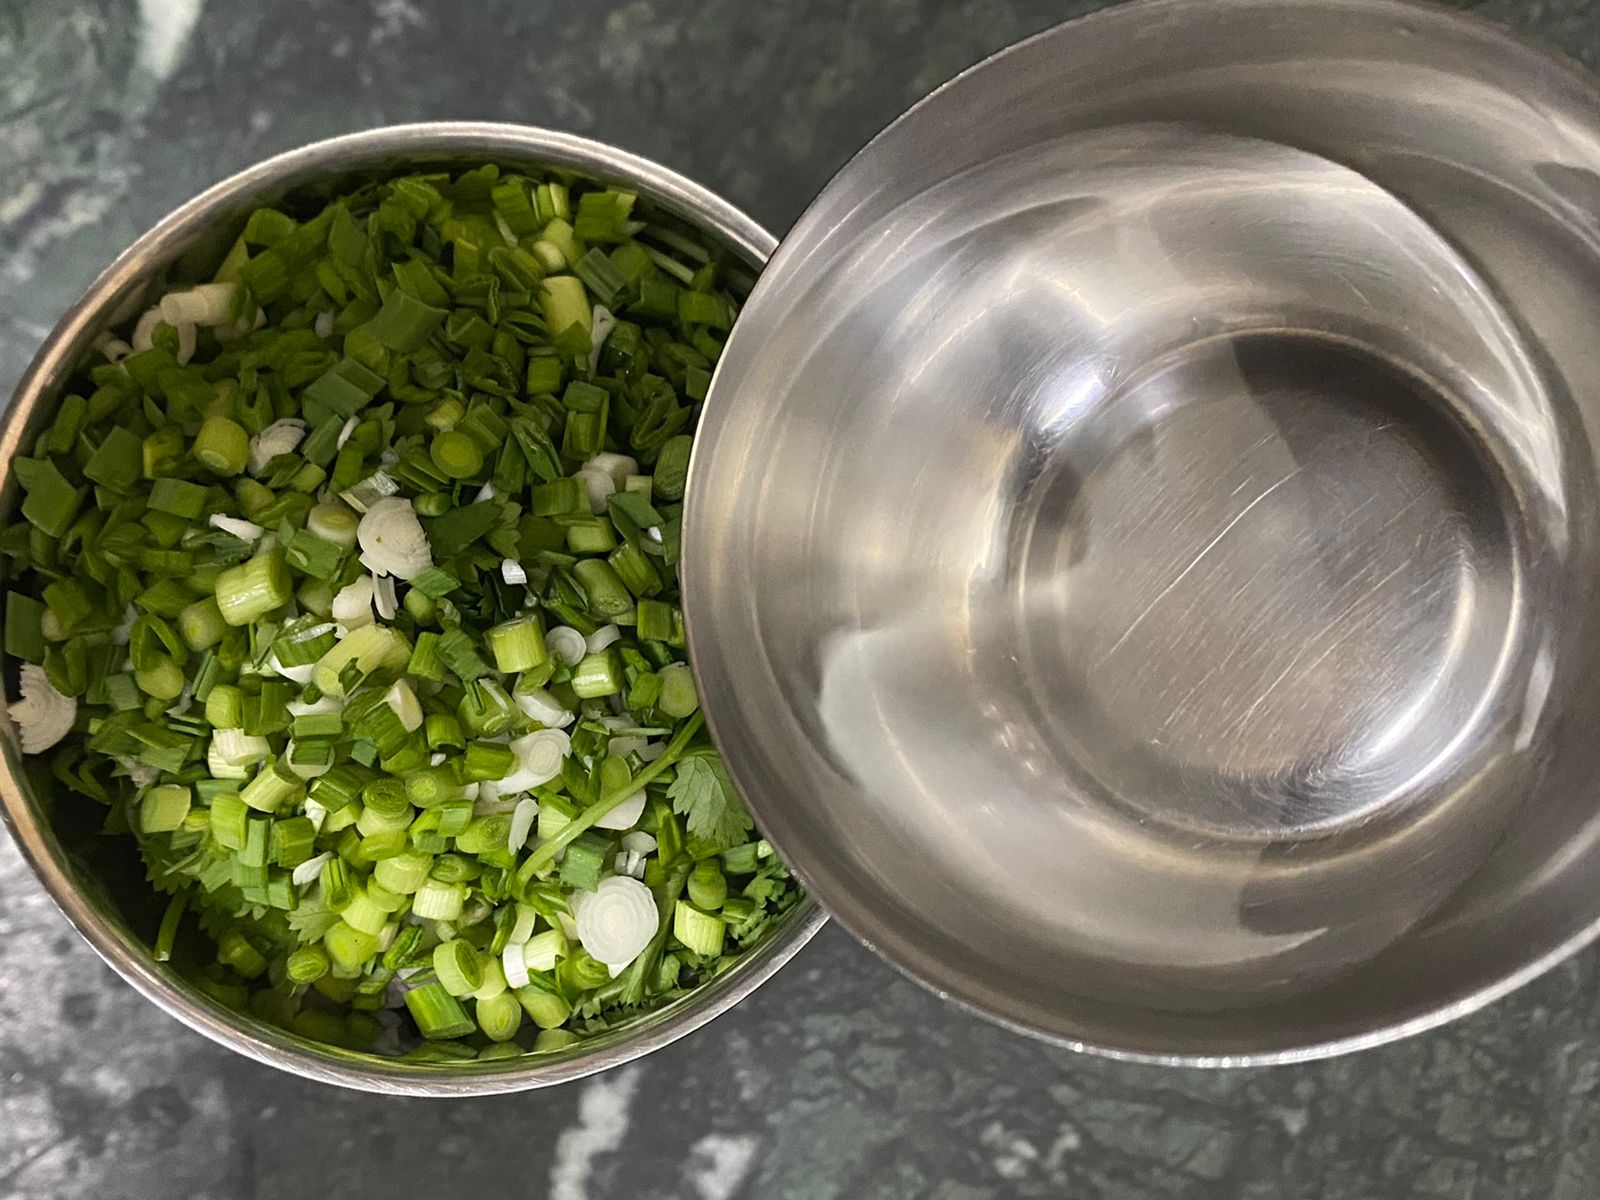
(839, 1079)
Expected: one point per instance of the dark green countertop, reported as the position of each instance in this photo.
(839, 1079)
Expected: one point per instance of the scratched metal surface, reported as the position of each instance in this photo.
(839, 1079)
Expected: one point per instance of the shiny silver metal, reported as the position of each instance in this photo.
(99, 900)
(1141, 550)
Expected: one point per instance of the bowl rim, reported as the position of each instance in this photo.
(392, 147)
(800, 241)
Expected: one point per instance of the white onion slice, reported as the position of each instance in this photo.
(392, 540)
(186, 343)
(44, 716)
(539, 756)
(144, 330)
(301, 674)
(403, 702)
(617, 921)
(615, 467)
(568, 643)
(486, 492)
(640, 843)
(308, 871)
(203, 304)
(384, 597)
(345, 431)
(522, 819)
(605, 636)
(352, 607)
(601, 323)
(522, 927)
(625, 815)
(514, 965)
(541, 706)
(124, 631)
(597, 486)
(624, 746)
(114, 348)
(511, 571)
(281, 437)
(237, 526)
(323, 325)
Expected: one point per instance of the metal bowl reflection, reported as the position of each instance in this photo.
(1141, 555)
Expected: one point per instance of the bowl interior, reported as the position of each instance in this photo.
(1160, 476)
(99, 881)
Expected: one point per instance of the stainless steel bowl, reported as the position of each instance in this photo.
(1142, 550)
(102, 898)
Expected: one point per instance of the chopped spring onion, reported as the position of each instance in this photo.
(542, 951)
(253, 589)
(347, 580)
(700, 932)
(222, 445)
(333, 523)
(437, 1013)
(517, 645)
(499, 1017)
(458, 966)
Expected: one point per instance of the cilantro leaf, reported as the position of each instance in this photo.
(703, 793)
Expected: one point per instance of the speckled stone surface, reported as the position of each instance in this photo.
(839, 1080)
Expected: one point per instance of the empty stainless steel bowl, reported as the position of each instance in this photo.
(106, 897)
(1142, 548)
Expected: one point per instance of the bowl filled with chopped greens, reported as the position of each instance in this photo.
(350, 714)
